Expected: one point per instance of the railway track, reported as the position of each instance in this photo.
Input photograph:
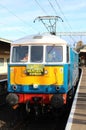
(3, 88)
(19, 120)
(47, 122)
(3, 84)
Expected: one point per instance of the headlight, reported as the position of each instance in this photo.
(35, 86)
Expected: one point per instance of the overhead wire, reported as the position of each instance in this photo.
(52, 7)
(44, 11)
(17, 28)
(55, 11)
(70, 28)
(11, 12)
(63, 14)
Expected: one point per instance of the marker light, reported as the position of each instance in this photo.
(46, 72)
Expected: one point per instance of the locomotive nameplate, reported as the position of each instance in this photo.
(35, 69)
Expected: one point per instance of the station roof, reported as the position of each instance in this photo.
(4, 46)
(82, 49)
(2, 40)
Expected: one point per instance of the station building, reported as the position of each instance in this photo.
(82, 55)
(4, 55)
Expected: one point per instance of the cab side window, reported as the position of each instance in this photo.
(67, 52)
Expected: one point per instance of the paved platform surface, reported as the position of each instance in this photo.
(77, 118)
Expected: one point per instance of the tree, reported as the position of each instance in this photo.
(79, 45)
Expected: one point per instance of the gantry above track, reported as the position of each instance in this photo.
(71, 33)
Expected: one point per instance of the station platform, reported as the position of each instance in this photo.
(3, 77)
(77, 117)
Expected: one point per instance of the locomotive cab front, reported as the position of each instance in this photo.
(33, 68)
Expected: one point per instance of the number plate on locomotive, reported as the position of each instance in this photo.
(34, 70)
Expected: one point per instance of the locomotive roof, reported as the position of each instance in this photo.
(40, 39)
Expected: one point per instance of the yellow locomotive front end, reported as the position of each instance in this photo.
(36, 74)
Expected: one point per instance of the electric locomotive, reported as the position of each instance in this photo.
(43, 69)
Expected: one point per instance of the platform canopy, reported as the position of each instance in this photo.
(4, 46)
(5, 40)
(83, 50)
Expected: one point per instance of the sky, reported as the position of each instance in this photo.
(17, 16)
